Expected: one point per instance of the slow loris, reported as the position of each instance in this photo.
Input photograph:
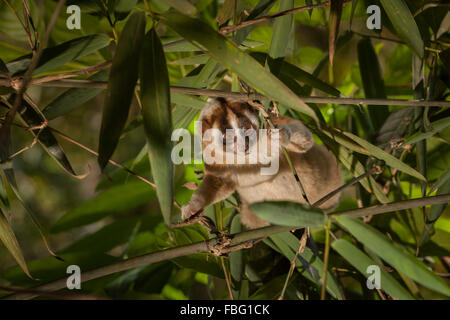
(316, 166)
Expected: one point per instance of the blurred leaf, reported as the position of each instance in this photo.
(361, 261)
(436, 127)
(226, 12)
(294, 72)
(393, 254)
(49, 269)
(61, 54)
(74, 97)
(357, 169)
(112, 201)
(9, 240)
(282, 27)
(289, 214)
(155, 97)
(260, 10)
(443, 179)
(335, 20)
(121, 84)
(236, 259)
(382, 155)
(272, 289)
(445, 58)
(313, 265)
(226, 52)
(354, 4)
(403, 22)
(183, 6)
(434, 213)
(372, 79)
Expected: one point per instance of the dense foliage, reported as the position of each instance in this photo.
(86, 173)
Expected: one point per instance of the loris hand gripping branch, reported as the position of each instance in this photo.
(315, 165)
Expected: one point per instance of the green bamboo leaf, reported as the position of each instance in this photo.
(236, 260)
(397, 256)
(439, 182)
(61, 54)
(382, 155)
(10, 241)
(354, 4)
(373, 83)
(121, 84)
(361, 261)
(281, 31)
(4, 200)
(403, 22)
(183, 6)
(7, 168)
(33, 117)
(357, 169)
(289, 214)
(310, 265)
(155, 97)
(308, 79)
(117, 199)
(434, 214)
(436, 126)
(72, 98)
(260, 10)
(229, 55)
(226, 12)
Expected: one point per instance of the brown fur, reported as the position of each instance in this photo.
(316, 166)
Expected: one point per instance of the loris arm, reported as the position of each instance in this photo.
(294, 135)
(213, 189)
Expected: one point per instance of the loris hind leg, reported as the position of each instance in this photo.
(250, 219)
(213, 189)
(294, 135)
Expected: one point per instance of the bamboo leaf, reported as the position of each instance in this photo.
(281, 31)
(61, 54)
(183, 6)
(33, 117)
(403, 22)
(236, 259)
(10, 241)
(226, 12)
(335, 21)
(121, 84)
(361, 261)
(112, 201)
(156, 111)
(436, 126)
(229, 55)
(397, 256)
(433, 214)
(373, 83)
(382, 155)
(289, 214)
(72, 98)
(288, 245)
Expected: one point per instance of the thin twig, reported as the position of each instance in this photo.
(53, 77)
(203, 246)
(71, 83)
(227, 279)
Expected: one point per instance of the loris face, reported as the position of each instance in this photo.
(229, 128)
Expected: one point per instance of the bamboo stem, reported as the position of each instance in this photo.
(238, 238)
(71, 83)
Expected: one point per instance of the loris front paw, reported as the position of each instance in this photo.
(189, 209)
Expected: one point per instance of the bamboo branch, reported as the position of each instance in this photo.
(235, 239)
(71, 83)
